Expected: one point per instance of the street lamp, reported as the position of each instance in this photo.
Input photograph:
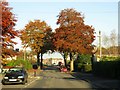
(100, 45)
(93, 58)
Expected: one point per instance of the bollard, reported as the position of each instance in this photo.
(34, 72)
(35, 67)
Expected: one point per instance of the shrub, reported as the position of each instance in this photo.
(83, 63)
(20, 62)
(106, 58)
(84, 67)
(79, 67)
(84, 58)
(88, 67)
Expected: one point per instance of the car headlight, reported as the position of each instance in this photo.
(20, 77)
(5, 77)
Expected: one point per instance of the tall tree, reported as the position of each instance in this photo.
(106, 40)
(7, 31)
(73, 35)
(113, 40)
(47, 45)
(33, 36)
(106, 43)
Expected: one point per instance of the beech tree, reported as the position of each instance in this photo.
(73, 35)
(7, 31)
(35, 35)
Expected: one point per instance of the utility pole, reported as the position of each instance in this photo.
(100, 46)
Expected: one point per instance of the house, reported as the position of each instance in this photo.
(52, 61)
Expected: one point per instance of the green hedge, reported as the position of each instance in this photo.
(83, 63)
(108, 58)
(84, 67)
(110, 69)
(88, 67)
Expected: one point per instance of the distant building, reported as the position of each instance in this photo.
(51, 61)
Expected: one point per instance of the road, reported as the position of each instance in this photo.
(50, 77)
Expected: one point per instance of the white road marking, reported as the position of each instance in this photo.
(32, 81)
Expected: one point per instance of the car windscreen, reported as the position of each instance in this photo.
(15, 70)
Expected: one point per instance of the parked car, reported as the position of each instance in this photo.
(15, 75)
(63, 68)
(5, 69)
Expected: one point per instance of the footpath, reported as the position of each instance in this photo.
(1, 76)
(98, 82)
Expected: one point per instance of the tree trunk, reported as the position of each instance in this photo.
(64, 55)
(71, 63)
(25, 54)
(93, 60)
(41, 63)
(38, 59)
(65, 61)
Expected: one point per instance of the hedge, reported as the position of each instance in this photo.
(110, 69)
(84, 67)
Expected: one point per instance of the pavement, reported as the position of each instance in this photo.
(98, 82)
(0, 81)
(1, 76)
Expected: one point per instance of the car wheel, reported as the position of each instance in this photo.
(24, 82)
(3, 82)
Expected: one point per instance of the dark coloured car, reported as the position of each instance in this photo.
(15, 75)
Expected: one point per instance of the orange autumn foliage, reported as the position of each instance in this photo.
(7, 23)
(33, 35)
(73, 35)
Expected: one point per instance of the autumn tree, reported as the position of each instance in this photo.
(35, 35)
(73, 35)
(47, 45)
(7, 31)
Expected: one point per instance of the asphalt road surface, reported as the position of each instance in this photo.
(51, 77)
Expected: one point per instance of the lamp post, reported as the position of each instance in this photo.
(93, 58)
(100, 47)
